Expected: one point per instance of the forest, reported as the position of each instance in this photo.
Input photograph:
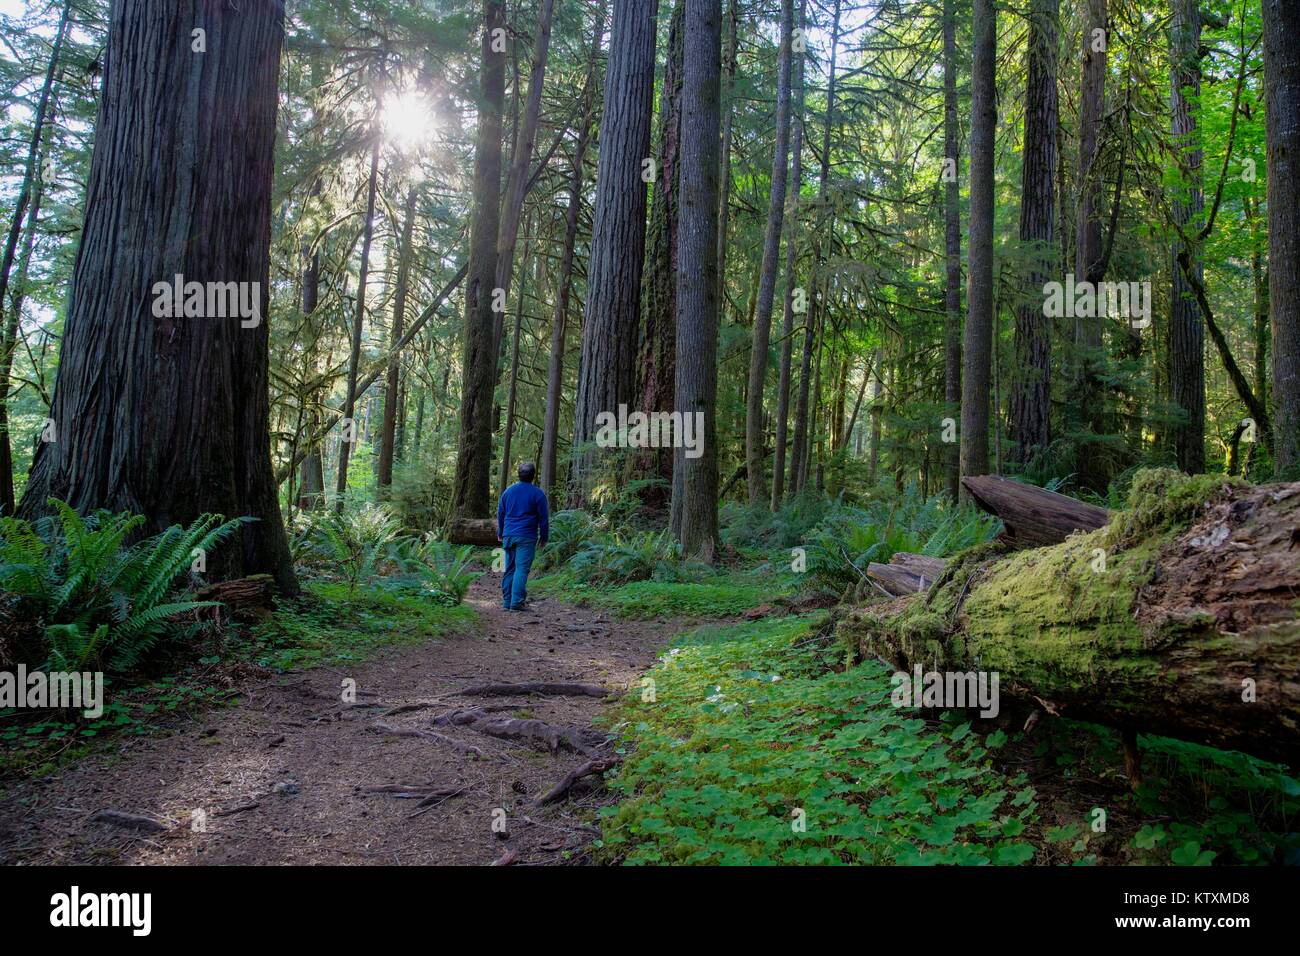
(650, 432)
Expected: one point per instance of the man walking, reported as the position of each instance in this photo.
(522, 527)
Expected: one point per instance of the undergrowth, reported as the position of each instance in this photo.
(753, 749)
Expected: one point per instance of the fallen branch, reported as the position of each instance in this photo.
(131, 821)
(1032, 516)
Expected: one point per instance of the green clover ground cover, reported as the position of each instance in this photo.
(754, 750)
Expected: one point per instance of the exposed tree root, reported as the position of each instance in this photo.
(465, 750)
(131, 821)
(512, 728)
(543, 688)
(596, 765)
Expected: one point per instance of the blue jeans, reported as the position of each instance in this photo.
(519, 560)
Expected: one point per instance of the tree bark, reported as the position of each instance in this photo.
(1032, 516)
(659, 294)
(978, 335)
(754, 430)
(479, 364)
(607, 373)
(952, 248)
(1282, 92)
(728, 121)
(695, 515)
(1186, 329)
(169, 417)
(1031, 397)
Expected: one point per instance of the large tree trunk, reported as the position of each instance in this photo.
(168, 417)
(791, 272)
(389, 430)
(1031, 397)
(754, 430)
(695, 514)
(1282, 84)
(1032, 516)
(607, 373)
(952, 247)
(479, 365)
(659, 296)
(978, 336)
(1186, 328)
(1174, 619)
(350, 431)
(559, 321)
(28, 191)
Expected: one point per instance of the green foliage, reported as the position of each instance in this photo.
(570, 531)
(442, 570)
(355, 542)
(102, 604)
(849, 538)
(751, 733)
(333, 623)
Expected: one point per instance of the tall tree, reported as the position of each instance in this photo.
(1089, 262)
(518, 181)
(559, 321)
(659, 294)
(1186, 327)
(168, 416)
(791, 273)
(728, 124)
(1031, 395)
(607, 373)
(754, 431)
(388, 432)
(1282, 84)
(695, 505)
(26, 189)
(802, 441)
(952, 246)
(350, 432)
(479, 363)
(978, 336)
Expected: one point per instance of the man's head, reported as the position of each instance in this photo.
(527, 472)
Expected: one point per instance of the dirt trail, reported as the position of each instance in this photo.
(294, 762)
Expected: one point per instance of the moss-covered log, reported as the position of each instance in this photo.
(481, 532)
(1180, 617)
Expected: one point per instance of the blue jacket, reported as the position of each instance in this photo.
(522, 512)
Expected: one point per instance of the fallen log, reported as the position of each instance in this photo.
(481, 532)
(906, 573)
(1032, 516)
(250, 598)
(1178, 618)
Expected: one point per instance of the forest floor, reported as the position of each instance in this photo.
(286, 776)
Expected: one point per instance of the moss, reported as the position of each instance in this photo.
(1162, 499)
